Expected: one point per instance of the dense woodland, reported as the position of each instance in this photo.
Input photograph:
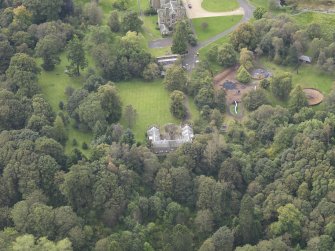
(268, 183)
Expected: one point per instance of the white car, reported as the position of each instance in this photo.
(189, 6)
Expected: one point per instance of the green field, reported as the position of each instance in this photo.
(156, 52)
(309, 76)
(149, 28)
(151, 101)
(216, 25)
(326, 21)
(106, 5)
(219, 5)
(53, 85)
(260, 3)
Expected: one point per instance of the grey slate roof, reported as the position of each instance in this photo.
(161, 146)
(305, 58)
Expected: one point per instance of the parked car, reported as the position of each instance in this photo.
(190, 6)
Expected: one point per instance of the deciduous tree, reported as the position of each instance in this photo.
(298, 100)
(177, 104)
(226, 55)
(48, 49)
(76, 56)
(281, 85)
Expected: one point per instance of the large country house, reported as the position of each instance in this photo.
(169, 12)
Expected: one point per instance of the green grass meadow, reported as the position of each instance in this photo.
(219, 5)
(260, 3)
(326, 21)
(53, 85)
(308, 76)
(216, 25)
(152, 102)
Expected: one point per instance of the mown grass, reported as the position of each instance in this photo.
(308, 76)
(326, 21)
(53, 85)
(219, 5)
(260, 3)
(149, 28)
(216, 25)
(152, 103)
(156, 52)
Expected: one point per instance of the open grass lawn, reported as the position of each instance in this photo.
(149, 28)
(326, 21)
(260, 3)
(156, 52)
(309, 76)
(216, 25)
(53, 85)
(151, 101)
(219, 5)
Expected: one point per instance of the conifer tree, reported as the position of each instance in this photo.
(179, 43)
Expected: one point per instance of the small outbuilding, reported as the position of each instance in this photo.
(305, 59)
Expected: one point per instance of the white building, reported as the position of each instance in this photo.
(163, 146)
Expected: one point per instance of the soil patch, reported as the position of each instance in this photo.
(314, 96)
(227, 80)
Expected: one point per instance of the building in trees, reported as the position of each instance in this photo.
(305, 59)
(173, 137)
(169, 13)
(167, 61)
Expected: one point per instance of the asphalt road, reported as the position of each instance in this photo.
(190, 59)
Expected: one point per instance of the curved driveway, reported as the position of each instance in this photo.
(190, 59)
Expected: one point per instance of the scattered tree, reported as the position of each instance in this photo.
(76, 56)
(281, 85)
(243, 75)
(131, 22)
(175, 78)
(130, 114)
(298, 100)
(48, 49)
(259, 12)
(177, 104)
(226, 55)
(254, 99)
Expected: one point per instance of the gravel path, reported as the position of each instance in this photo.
(160, 43)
